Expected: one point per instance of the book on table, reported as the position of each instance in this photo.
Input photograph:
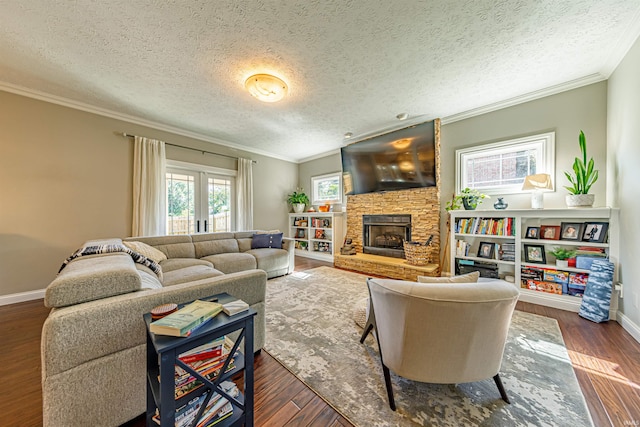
(234, 307)
(184, 321)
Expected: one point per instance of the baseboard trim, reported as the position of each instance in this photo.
(628, 325)
(21, 297)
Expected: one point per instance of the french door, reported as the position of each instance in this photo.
(199, 201)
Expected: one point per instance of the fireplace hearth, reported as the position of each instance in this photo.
(385, 234)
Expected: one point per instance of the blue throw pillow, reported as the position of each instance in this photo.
(259, 241)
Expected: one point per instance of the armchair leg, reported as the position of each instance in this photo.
(387, 382)
(503, 392)
(367, 331)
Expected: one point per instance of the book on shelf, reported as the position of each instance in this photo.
(486, 226)
(205, 351)
(235, 307)
(217, 408)
(183, 322)
(209, 368)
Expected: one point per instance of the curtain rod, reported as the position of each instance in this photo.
(128, 135)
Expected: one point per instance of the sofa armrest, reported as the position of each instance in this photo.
(289, 245)
(77, 334)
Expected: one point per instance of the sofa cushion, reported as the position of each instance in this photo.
(147, 270)
(149, 280)
(178, 263)
(172, 246)
(270, 259)
(244, 244)
(232, 262)
(93, 278)
(148, 251)
(189, 274)
(463, 278)
(213, 247)
(266, 241)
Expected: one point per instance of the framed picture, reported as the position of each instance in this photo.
(486, 250)
(571, 231)
(535, 254)
(595, 232)
(550, 232)
(532, 233)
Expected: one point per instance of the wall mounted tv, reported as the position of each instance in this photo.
(398, 160)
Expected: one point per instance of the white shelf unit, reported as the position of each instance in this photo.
(317, 235)
(523, 218)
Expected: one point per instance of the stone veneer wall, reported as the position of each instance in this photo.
(422, 203)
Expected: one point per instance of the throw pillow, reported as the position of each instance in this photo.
(148, 251)
(259, 241)
(464, 278)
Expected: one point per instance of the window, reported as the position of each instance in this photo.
(500, 168)
(200, 199)
(326, 188)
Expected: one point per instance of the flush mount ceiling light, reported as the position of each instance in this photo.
(348, 135)
(402, 116)
(266, 88)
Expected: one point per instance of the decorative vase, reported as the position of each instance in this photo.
(572, 262)
(470, 203)
(580, 200)
(562, 263)
(500, 204)
(298, 207)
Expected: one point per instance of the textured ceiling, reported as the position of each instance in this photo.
(350, 65)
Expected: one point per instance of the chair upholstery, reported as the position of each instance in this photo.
(440, 332)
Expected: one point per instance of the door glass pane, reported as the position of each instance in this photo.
(180, 204)
(219, 217)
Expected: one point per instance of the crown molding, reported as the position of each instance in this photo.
(65, 102)
(531, 96)
(319, 156)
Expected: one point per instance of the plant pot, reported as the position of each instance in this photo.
(469, 203)
(580, 200)
(563, 263)
(298, 207)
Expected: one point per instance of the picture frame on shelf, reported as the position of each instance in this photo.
(535, 254)
(486, 250)
(550, 232)
(571, 231)
(595, 232)
(532, 233)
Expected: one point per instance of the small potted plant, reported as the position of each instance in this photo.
(298, 199)
(468, 198)
(562, 256)
(584, 175)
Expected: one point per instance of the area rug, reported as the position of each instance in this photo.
(310, 330)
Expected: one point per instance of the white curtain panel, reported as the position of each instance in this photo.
(149, 180)
(244, 184)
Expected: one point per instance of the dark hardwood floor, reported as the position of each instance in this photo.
(605, 358)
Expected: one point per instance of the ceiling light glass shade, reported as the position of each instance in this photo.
(266, 88)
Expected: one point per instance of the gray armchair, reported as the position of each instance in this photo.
(441, 333)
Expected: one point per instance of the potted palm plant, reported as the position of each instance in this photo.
(584, 175)
(298, 199)
(562, 256)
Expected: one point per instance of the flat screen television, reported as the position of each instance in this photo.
(398, 160)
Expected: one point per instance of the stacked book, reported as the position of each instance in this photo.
(185, 321)
(207, 360)
(217, 408)
(462, 248)
(507, 252)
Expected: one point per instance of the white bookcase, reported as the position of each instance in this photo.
(317, 235)
(521, 220)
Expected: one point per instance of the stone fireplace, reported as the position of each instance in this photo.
(421, 206)
(385, 234)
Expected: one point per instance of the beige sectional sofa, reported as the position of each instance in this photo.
(93, 342)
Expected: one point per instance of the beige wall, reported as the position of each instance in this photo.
(324, 165)
(623, 174)
(65, 177)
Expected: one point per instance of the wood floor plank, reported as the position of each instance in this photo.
(282, 416)
(308, 413)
